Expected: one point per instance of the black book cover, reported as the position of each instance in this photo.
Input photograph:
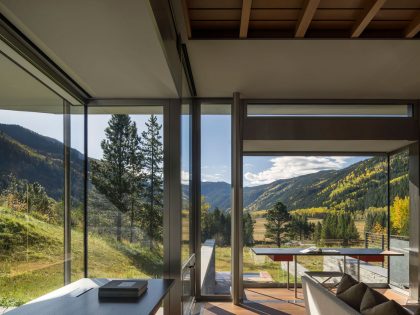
(123, 288)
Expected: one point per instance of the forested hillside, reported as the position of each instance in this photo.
(357, 187)
(35, 158)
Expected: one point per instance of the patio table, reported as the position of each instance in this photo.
(365, 254)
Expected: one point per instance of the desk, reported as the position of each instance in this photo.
(366, 254)
(81, 297)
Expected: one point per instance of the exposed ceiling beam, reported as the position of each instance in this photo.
(413, 28)
(186, 17)
(367, 15)
(246, 13)
(305, 19)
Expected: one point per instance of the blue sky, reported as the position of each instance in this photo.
(216, 147)
(216, 160)
(51, 125)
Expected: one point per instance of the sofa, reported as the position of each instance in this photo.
(320, 301)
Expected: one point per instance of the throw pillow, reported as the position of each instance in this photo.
(353, 296)
(346, 282)
(388, 308)
(371, 299)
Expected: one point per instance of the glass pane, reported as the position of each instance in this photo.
(215, 199)
(324, 110)
(77, 159)
(313, 201)
(400, 219)
(31, 187)
(125, 202)
(186, 249)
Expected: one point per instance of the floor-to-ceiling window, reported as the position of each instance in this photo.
(304, 201)
(215, 214)
(125, 197)
(77, 190)
(187, 224)
(399, 219)
(31, 187)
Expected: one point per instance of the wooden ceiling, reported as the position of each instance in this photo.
(302, 18)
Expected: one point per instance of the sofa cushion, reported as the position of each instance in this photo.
(371, 299)
(353, 296)
(388, 308)
(346, 282)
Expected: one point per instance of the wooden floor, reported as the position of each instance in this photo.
(271, 301)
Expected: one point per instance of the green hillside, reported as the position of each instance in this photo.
(31, 260)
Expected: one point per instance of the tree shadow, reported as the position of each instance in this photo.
(148, 261)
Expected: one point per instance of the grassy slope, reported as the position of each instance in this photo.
(32, 258)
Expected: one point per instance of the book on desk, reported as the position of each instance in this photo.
(123, 289)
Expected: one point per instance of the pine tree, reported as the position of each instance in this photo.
(248, 229)
(152, 149)
(137, 178)
(317, 232)
(111, 175)
(205, 218)
(276, 218)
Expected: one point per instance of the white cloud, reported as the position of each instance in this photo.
(212, 177)
(185, 177)
(291, 166)
(215, 173)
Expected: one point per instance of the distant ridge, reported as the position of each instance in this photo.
(357, 187)
(34, 157)
(37, 158)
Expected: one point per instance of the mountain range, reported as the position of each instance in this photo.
(34, 157)
(357, 187)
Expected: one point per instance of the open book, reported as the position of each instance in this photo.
(311, 250)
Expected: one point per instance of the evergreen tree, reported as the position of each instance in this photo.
(339, 225)
(317, 232)
(205, 218)
(248, 229)
(137, 179)
(152, 149)
(276, 218)
(111, 175)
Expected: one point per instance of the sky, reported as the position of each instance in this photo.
(215, 149)
(51, 125)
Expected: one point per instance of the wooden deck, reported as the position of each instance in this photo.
(271, 301)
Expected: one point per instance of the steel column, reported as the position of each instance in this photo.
(414, 192)
(237, 188)
(67, 191)
(172, 204)
(196, 191)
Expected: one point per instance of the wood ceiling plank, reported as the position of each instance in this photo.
(276, 4)
(413, 28)
(308, 13)
(396, 14)
(246, 13)
(367, 15)
(274, 14)
(186, 17)
(215, 14)
(214, 4)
